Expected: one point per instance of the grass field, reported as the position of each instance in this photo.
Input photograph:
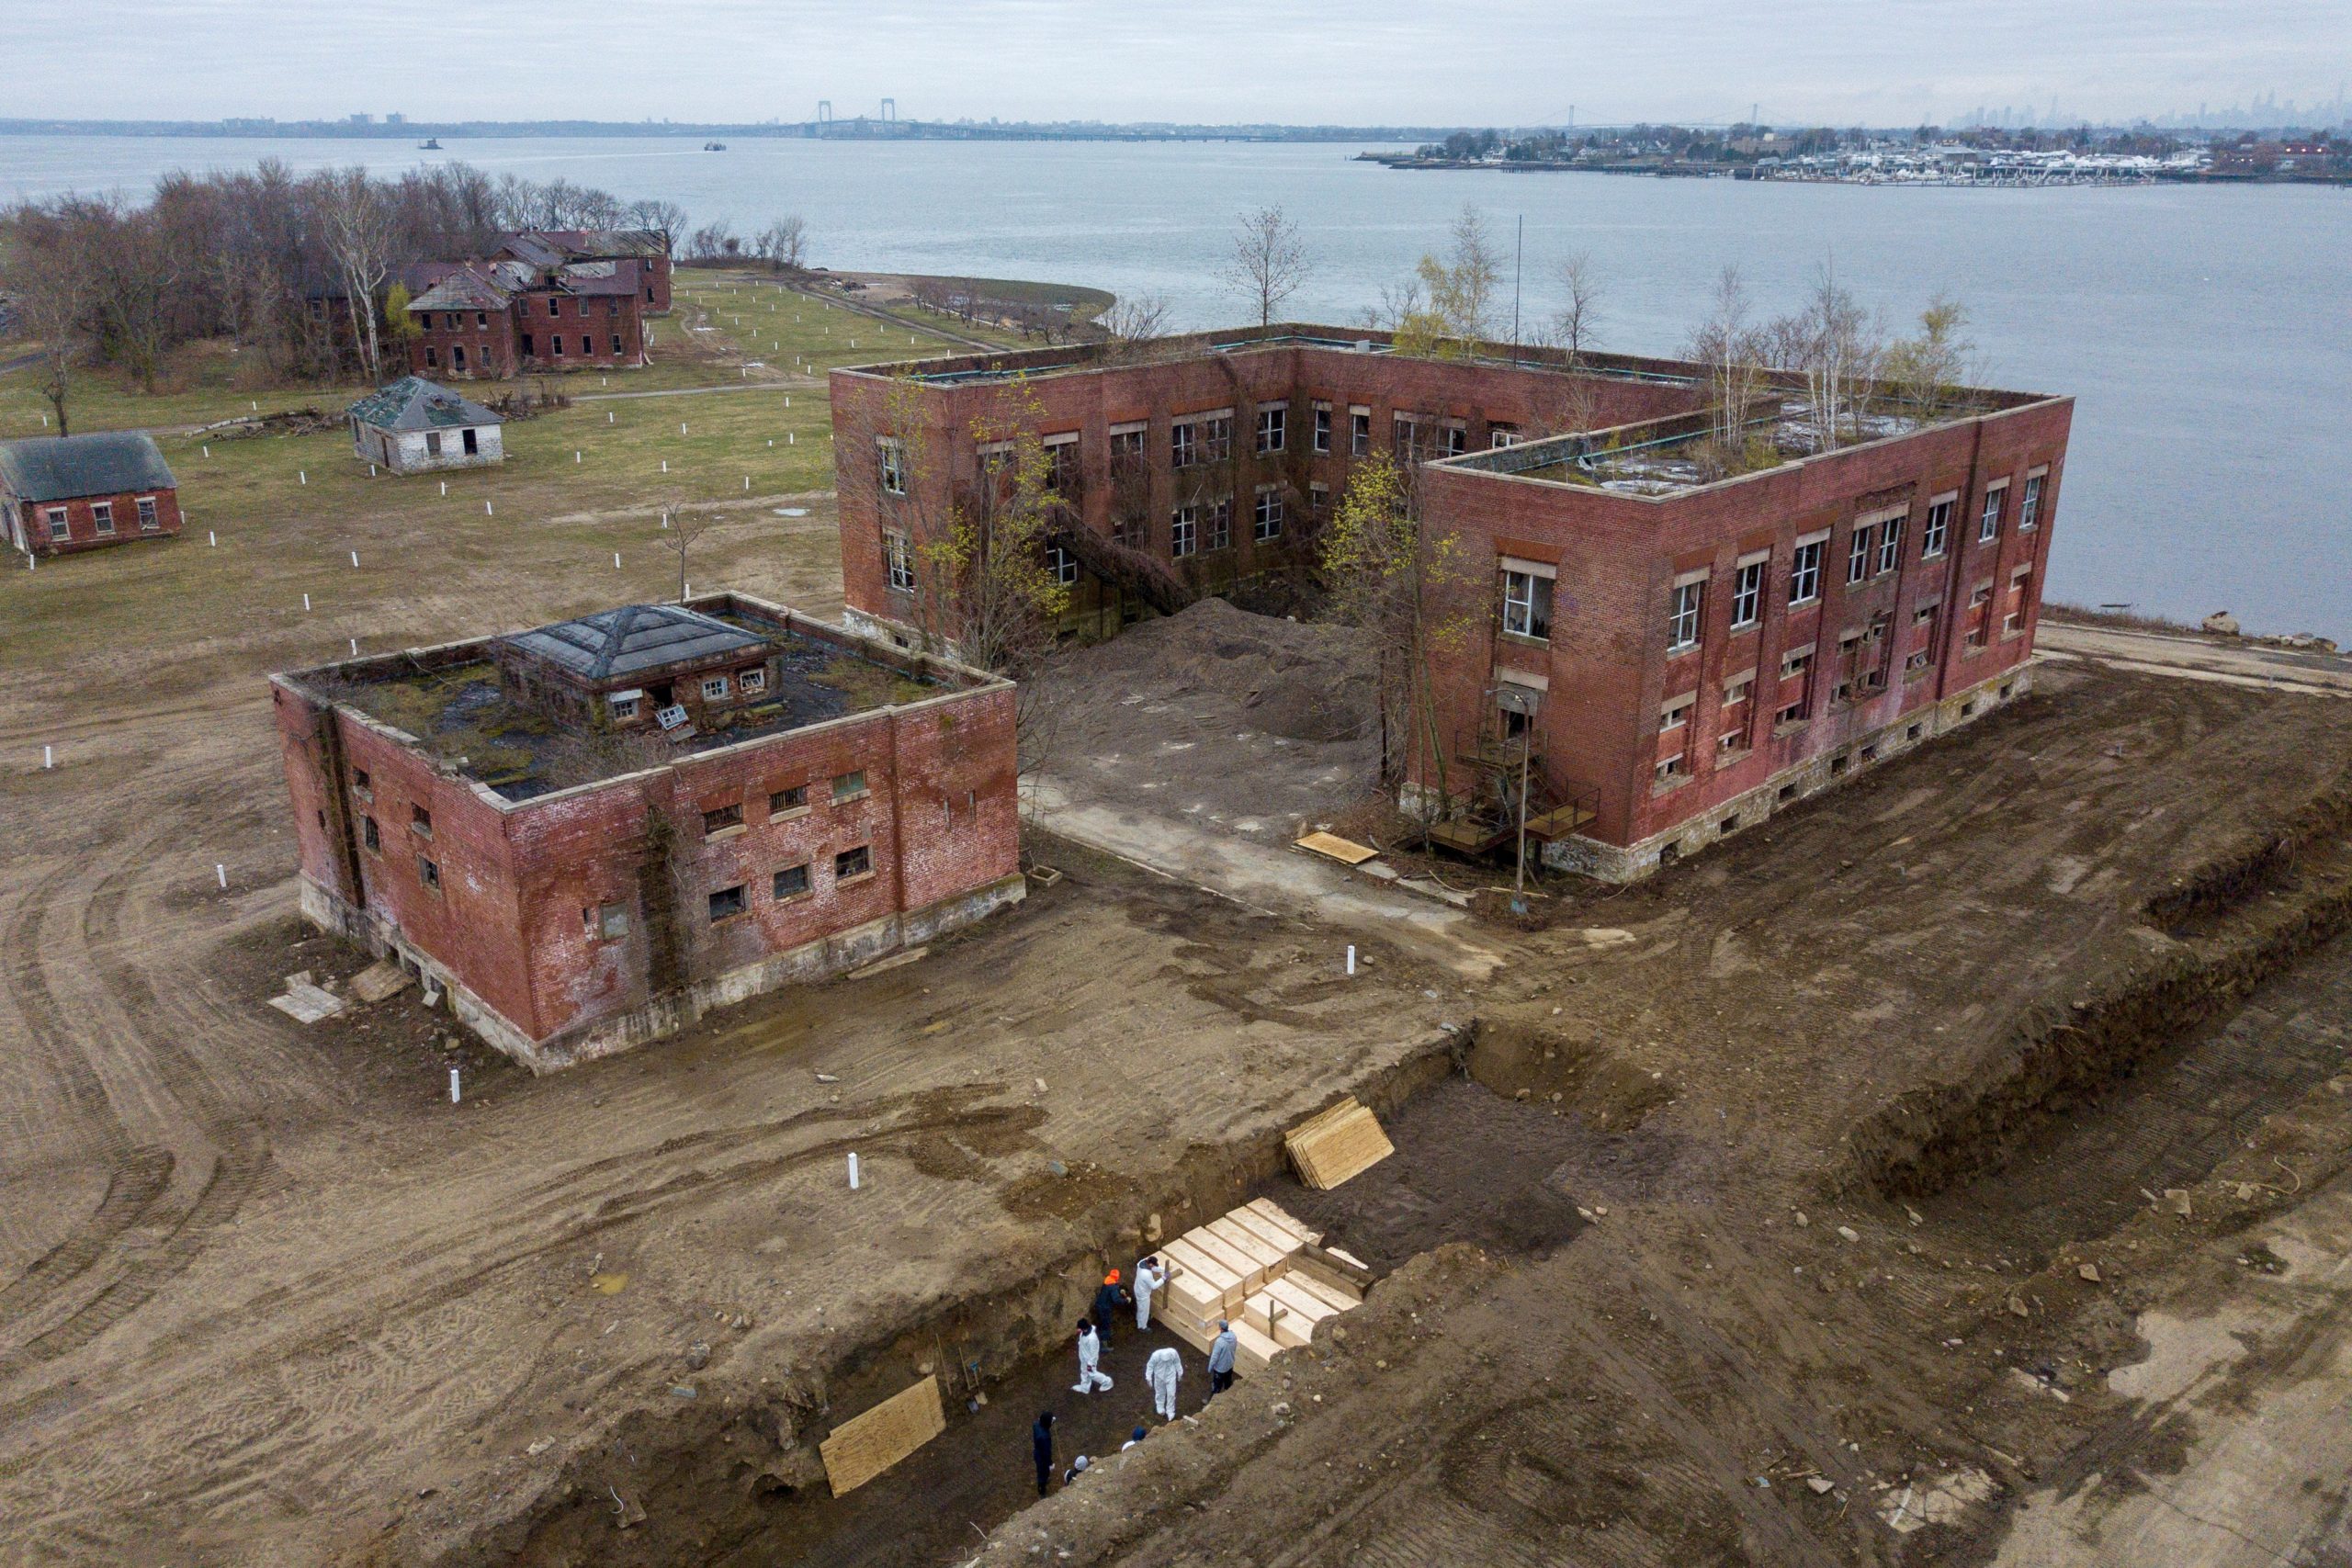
(536, 536)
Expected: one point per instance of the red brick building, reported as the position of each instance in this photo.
(548, 248)
(589, 834)
(1675, 657)
(68, 494)
(507, 318)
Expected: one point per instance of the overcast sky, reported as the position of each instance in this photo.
(1357, 62)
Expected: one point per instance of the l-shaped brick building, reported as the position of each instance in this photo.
(589, 834)
(1675, 655)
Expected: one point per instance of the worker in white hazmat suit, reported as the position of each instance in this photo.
(1149, 1278)
(1089, 1354)
(1165, 1369)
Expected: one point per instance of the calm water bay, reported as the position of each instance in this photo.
(2206, 335)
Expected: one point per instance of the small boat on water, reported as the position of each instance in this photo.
(430, 144)
(713, 146)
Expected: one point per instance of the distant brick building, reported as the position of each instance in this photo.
(65, 493)
(1675, 657)
(591, 833)
(509, 317)
(549, 248)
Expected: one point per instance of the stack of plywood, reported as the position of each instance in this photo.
(1338, 1143)
(865, 1446)
(1238, 1268)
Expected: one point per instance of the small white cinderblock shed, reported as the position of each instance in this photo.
(412, 426)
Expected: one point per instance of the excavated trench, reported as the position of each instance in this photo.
(2149, 1076)
(1484, 1124)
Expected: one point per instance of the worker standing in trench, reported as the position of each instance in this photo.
(1090, 1374)
(1108, 1298)
(1149, 1278)
(1221, 1351)
(1041, 1449)
(1163, 1372)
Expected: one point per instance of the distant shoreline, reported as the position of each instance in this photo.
(1750, 172)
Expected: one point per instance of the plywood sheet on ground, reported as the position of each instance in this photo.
(1345, 850)
(865, 1446)
(1340, 1142)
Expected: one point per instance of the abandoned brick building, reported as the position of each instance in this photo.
(66, 493)
(414, 426)
(1673, 655)
(568, 302)
(589, 834)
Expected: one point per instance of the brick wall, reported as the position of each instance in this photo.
(609, 316)
(487, 338)
(518, 919)
(34, 531)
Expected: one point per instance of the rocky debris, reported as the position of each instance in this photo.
(2221, 623)
(697, 1356)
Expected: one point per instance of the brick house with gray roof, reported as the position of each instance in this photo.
(67, 493)
(515, 316)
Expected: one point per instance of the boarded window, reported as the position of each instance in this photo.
(723, 818)
(784, 802)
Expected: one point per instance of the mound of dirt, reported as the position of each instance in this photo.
(1299, 680)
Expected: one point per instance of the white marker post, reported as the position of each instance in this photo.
(616, 560)
(608, 416)
(1352, 958)
(665, 464)
(221, 873)
(207, 450)
(454, 1096)
(303, 475)
(852, 1172)
(306, 603)
(682, 427)
(490, 509)
(355, 560)
(355, 648)
(47, 758)
(211, 540)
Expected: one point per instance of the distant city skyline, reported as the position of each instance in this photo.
(1211, 62)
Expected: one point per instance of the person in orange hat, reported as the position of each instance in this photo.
(1108, 1301)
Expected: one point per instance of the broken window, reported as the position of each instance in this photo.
(1183, 445)
(369, 835)
(1988, 522)
(898, 560)
(2029, 503)
(1269, 516)
(1889, 545)
(147, 522)
(1682, 622)
(361, 783)
(894, 463)
(1127, 447)
(719, 818)
(1062, 475)
(849, 786)
(1748, 592)
(1183, 532)
(625, 706)
(1527, 604)
(432, 437)
(714, 688)
(1318, 498)
(420, 821)
(1858, 555)
(102, 515)
(1804, 573)
(727, 903)
(851, 865)
(1359, 432)
(1272, 420)
(1669, 769)
(1220, 523)
(429, 874)
(1499, 434)
(1322, 429)
(787, 802)
(612, 922)
(1939, 528)
(58, 526)
(1676, 713)
(791, 882)
(752, 680)
(1062, 565)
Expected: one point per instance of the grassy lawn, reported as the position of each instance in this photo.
(530, 540)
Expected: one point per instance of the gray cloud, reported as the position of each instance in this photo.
(1362, 61)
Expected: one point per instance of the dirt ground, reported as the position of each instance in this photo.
(1219, 718)
(1845, 1109)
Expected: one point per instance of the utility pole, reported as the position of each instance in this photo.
(1518, 268)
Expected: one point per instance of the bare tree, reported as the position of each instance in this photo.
(359, 234)
(1268, 261)
(665, 219)
(1839, 349)
(783, 244)
(1133, 322)
(1733, 348)
(1575, 323)
(52, 295)
(1929, 372)
(679, 536)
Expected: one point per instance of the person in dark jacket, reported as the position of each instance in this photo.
(1108, 1298)
(1041, 1449)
